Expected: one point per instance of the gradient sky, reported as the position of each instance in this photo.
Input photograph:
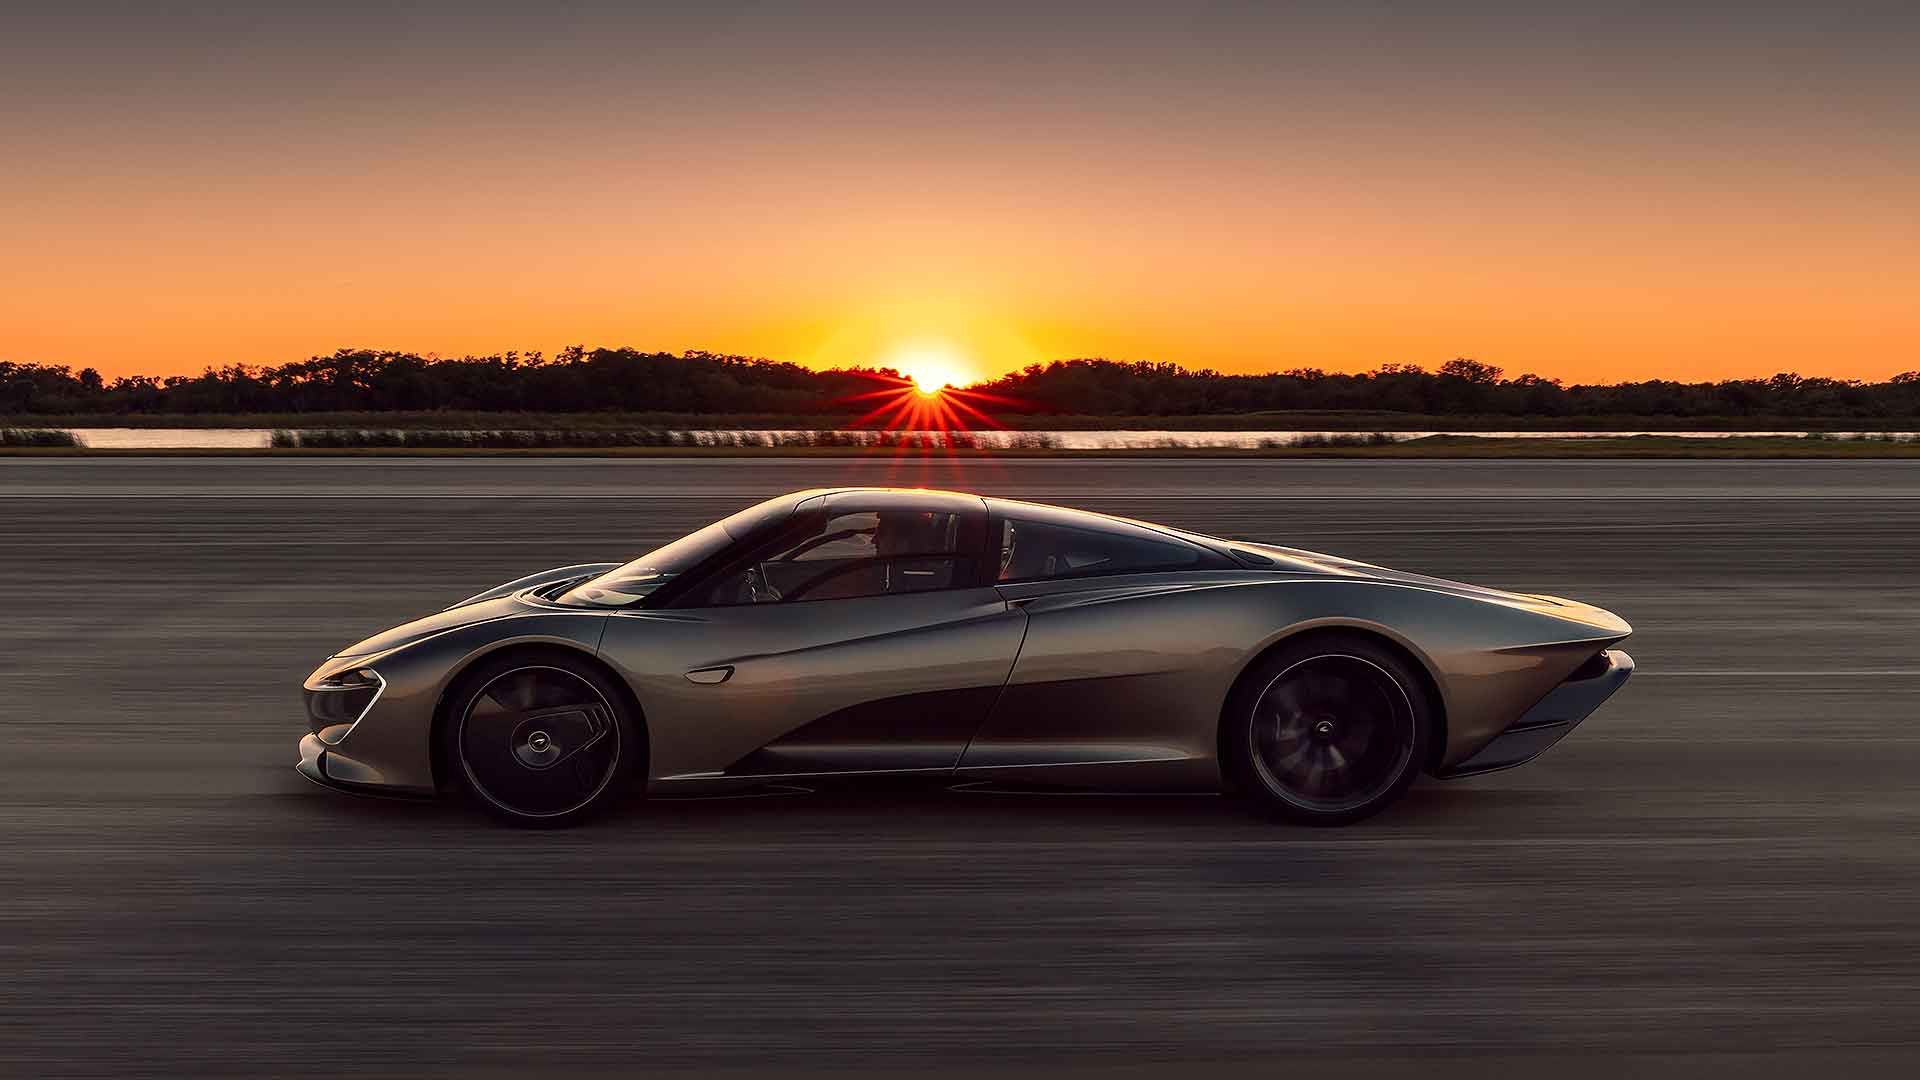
(1630, 191)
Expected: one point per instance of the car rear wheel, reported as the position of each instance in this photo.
(1328, 731)
(541, 741)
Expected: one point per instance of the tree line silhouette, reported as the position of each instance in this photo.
(578, 380)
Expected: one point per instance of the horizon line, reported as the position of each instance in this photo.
(1386, 368)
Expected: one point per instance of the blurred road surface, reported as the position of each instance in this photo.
(1720, 871)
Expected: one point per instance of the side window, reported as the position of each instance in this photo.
(853, 554)
(1034, 550)
(846, 536)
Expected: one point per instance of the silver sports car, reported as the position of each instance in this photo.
(877, 631)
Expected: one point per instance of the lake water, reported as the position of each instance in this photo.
(173, 438)
(253, 438)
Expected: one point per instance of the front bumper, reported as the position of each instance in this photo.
(327, 766)
(1547, 722)
(371, 738)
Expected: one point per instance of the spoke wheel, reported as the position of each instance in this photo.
(1331, 734)
(539, 742)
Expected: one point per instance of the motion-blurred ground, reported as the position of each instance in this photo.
(1720, 869)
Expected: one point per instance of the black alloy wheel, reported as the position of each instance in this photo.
(541, 741)
(1329, 731)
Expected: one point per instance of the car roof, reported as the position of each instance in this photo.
(879, 498)
(937, 496)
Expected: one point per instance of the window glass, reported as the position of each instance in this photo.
(846, 536)
(635, 580)
(1032, 550)
(853, 554)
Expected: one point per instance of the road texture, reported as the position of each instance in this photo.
(1720, 871)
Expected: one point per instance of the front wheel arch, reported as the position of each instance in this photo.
(443, 770)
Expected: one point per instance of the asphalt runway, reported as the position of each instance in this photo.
(1720, 871)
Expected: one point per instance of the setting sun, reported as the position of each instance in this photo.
(932, 367)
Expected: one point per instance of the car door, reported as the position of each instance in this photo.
(1116, 662)
(862, 638)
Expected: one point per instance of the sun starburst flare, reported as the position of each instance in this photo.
(924, 391)
(932, 368)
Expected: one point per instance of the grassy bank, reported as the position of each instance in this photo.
(42, 439)
(1455, 447)
(1255, 421)
(645, 438)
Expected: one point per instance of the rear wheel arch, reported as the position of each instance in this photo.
(1429, 685)
(443, 770)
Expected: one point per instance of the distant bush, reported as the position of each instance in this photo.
(1331, 439)
(465, 440)
(39, 437)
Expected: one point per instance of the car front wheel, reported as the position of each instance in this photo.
(541, 741)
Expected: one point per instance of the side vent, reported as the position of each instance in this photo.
(548, 592)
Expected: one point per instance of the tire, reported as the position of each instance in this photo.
(541, 740)
(1326, 731)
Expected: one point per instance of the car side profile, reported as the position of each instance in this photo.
(857, 631)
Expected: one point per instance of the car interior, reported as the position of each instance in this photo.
(856, 553)
(859, 553)
(1032, 550)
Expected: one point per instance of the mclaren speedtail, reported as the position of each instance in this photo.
(881, 631)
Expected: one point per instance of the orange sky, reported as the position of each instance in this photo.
(1591, 201)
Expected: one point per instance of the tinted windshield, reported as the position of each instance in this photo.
(633, 582)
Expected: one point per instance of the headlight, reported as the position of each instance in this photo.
(337, 702)
(365, 678)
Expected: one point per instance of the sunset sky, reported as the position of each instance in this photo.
(1675, 190)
